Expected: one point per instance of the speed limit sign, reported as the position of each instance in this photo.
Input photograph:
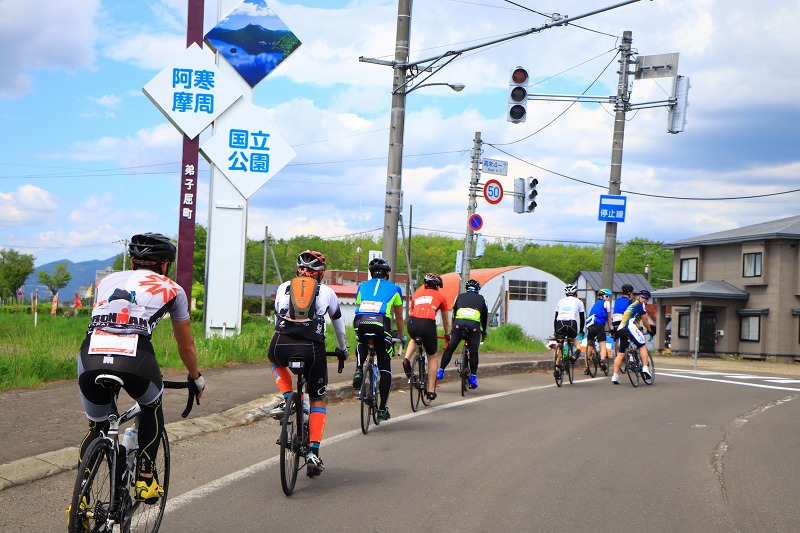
(493, 191)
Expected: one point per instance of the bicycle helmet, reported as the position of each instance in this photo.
(379, 267)
(433, 280)
(605, 292)
(645, 293)
(473, 285)
(311, 260)
(151, 249)
(570, 290)
(627, 289)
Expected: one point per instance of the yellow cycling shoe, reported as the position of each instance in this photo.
(148, 492)
(82, 506)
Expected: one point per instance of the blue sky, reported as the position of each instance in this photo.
(87, 160)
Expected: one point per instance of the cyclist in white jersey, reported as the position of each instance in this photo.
(570, 317)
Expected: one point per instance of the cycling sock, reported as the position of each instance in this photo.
(316, 423)
(313, 447)
(283, 379)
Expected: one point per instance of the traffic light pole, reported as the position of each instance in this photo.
(472, 205)
(615, 177)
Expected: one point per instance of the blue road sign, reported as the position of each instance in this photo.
(475, 222)
(612, 208)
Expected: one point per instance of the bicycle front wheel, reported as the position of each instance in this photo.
(415, 391)
(374, 392)
(290, 445)
(652, 368)
(557, 369)
(92, 498)
(591, 361)
(142, 517)
(634, 366)
(365, 395)
(570, 368)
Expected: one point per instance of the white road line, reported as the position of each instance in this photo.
(743, 384)
(174, 504)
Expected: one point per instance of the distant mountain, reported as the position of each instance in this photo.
(82, 273)
(252, 38)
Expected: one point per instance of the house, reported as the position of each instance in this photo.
(521, 294)
(736, 292)
(589, 282)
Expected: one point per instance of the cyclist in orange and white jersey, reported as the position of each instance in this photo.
(422, 321)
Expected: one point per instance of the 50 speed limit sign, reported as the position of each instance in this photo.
(493, 191)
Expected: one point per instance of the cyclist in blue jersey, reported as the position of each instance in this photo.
(629, 331)
(376, 301)
(597, 323)
(620, 306)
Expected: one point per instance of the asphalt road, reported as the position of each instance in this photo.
(708, 451)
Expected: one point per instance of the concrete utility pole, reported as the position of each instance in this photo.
(615, 177)
(394, 177)
(466, 259)
(264, 273)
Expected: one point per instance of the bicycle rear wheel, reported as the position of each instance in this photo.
(570, 369)
(290, 445)
(375, 394)
(652, 368)
(464, 371)
(634, 366)
(591, 360)
(415, 391)
(92, 498)
(142, 517)
(558, 373)
(365, 395)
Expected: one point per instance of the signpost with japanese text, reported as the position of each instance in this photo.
(612, 208)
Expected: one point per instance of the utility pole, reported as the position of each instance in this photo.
(472, 204)
(615, 177)
(264, 273)
(394, 174)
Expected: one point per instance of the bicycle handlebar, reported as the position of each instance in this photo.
(192, 393)
(341, 361)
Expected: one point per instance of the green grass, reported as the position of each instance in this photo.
(30, 356)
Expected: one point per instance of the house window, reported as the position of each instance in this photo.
(751, 265)
(683, 325)
(689, 269)
(529, 291)
(750, 328)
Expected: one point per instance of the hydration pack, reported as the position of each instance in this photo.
(303, 293)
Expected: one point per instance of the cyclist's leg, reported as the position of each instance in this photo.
(384, 352)
(622, 346)
(316, 383)
(455, 340)
(427, 330)
(473, 342)
(278, 356)
(94, 398)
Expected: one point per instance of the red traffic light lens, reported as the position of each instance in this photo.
(519, 75)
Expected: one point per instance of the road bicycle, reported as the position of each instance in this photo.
(293, 439)
(633, 366)
(418, 382)
(102, 500)
(462, 363)
(563, 360)
(593, 358)
(369, 394)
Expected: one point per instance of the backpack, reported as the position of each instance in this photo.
(303, 293)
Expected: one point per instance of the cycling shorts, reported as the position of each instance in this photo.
(566, 328)
(596, 332)
(635, 334)
(141, 376)
(425, 328)
(283, 347)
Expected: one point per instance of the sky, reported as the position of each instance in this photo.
(86, 160)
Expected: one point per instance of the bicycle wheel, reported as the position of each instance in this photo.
(415, 391)
(634, 366)
(375, 394)
(464, 371)
(365, 395)
(142, 517)
(290, 445)
(423, 382)
(652, 368)
(92, 500)
(570, 366)
(557, 370)
(591, 360)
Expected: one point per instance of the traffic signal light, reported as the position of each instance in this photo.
(517, 96)
(530, 194)
(676, 121)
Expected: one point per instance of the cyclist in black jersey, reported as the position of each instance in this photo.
(471, 315)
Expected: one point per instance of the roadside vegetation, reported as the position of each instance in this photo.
(31, 356)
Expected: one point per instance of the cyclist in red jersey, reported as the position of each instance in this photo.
(422, 321)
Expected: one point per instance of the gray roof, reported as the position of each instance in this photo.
(704, 289)
(253, 290)
(785, 228)
(594, 280)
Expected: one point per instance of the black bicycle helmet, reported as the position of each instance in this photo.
(473, 285)
(311, 260)
(151, 249)
(645, 293)
(433, 280)
(627, 289)
(379, 267)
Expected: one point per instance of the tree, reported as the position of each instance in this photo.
(57, 280)
(14, 270)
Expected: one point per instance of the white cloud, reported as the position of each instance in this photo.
(26, 205)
